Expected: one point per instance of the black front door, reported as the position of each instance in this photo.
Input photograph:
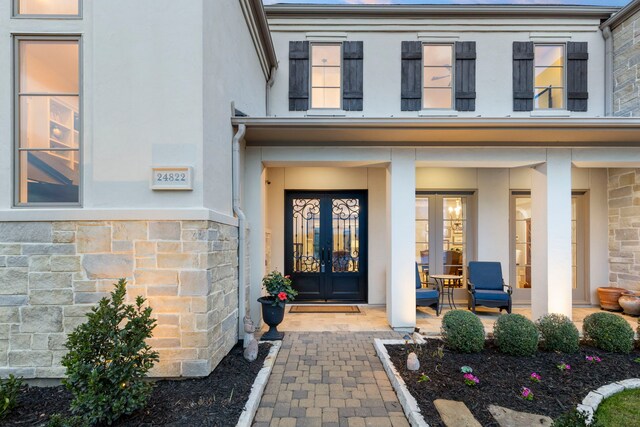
(326, 245)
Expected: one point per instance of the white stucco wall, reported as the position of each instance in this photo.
(494, 39)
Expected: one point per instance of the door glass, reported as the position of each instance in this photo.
(422, 237)
(454, 222)
(523, 242)
(306, 235)
(346, 235)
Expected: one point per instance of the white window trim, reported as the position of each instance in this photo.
(552, 111)
(320, 111)
(17, 38)
(439, 111)
(15, 8)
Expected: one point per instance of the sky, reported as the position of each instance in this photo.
(554, 2)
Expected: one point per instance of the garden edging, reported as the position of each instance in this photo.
(590, 403)
(260, 383)
(408, 402)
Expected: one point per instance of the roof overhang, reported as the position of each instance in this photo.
(461, 132)
(421, 11)
(622, 15)
(256, 19)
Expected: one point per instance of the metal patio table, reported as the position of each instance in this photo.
(447, 288)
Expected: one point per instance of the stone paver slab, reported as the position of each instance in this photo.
(510, 418)
(455, 414)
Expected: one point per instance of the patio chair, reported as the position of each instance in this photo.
(426, 297)
(486, 286)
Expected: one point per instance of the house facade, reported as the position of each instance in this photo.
(191, 146)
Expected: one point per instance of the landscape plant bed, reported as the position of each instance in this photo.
(217, 400)
(502, 378)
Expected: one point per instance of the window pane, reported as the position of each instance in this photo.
(546, 77)
(325, 76)
(325, 54)
(437, 54)
(49, 122)
(49, 177)
(48, 7)
(549, 98)
(49, 66)
(437, 98)
(549, 55)
(325, 98)
(306, 235)
(437, 77)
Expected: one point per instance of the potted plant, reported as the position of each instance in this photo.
(608, 296)
(279, 292)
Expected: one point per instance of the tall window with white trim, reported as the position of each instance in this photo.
(549, 77)
(62, 8)
(437, 81)
(326, 76)
(48, 120)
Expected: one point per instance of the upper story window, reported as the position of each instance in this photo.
(549, 66)
(48, 132)
(326, 76)
(47, 8)
(437, 82)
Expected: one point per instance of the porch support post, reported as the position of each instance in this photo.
(551, 290)
(401, 212)
(254, 202)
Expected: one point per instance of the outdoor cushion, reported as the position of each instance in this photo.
(492, 295)
(486, 275)
(427, 294)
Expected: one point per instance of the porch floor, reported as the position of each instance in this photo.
(374, 318)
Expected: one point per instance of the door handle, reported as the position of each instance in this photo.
(322, 255)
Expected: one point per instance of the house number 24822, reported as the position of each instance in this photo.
(171, 177)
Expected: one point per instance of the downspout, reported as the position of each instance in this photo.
(242, 233)
(272, 79)
(608, 71)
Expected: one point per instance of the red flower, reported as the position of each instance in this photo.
(282, 296)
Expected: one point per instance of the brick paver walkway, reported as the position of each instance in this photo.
(330, 379)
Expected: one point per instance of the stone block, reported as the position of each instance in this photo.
(18, 372)
(169, 247)
(164, 230)
(49, 280)
(17, 261)
(593, 399)
(13, 281)
(629, 234)
(51, 297)
(609, 390)
(177, 260)
(40, 263)
(195, 283)
(122, 246)
(9, 314)
(195, 339)
(129, 230)
(156, 277)
(49, 249)
(108, 266)
(89, 297)
(77, 310)
(25, 232)
(455, 413)
(65, 263)
(631, 383)
(57, 341)
(162, 290)
(170, 304)
(166, 370)
(41, 319)
(196, 368)
(30, 358)
(144, 249)
(93, 239)
(52, 372)
(144, 263)
(64, 237)
(8, 249)
(13, 300)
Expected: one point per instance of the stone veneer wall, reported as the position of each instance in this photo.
(626, 68)
(51, 273)
(624, 228)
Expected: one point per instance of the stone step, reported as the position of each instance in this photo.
(509, 418)
(455, 414)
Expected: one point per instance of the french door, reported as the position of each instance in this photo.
(326, 245)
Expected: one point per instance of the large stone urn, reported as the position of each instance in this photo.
(272, 316)
(630, 302)
(608, 296)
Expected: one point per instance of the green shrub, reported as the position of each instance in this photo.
(108, 359)
(558, 333)
(516, 335)
(462, 331)
(608, 332)
(9, 390)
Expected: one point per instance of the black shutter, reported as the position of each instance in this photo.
(411, 89)
(352, 76)
(577, 86)
(298, 76)
(465, 74)
(522, 76)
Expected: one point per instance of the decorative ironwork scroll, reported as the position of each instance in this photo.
(306, 235)
(346, 235)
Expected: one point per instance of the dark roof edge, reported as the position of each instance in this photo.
(621, 15)
(419, 11)
(256, 19)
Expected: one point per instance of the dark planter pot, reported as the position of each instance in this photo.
(272, 316)
(609, 296)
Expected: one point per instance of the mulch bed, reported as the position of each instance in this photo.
(502, 377)
(217, 400)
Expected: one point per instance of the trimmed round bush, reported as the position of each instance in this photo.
(558, 333)
(462, 331)
(608, 332)
(516, 335)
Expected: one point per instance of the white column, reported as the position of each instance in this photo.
(254, 202)
(401, 213)
(551, 290)
(493, 218)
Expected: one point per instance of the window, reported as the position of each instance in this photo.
(437, 82)
(47, 7)
(47, 108)
(326, 76)
(549, 77)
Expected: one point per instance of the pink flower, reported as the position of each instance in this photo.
(564, 367)
(471, 380)
(526, 393)
(536, 378)
(282, 296)
(593, 359)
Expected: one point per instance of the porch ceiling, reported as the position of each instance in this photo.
(462, 132)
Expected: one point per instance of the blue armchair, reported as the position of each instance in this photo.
(426, 297)
(487, 287)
